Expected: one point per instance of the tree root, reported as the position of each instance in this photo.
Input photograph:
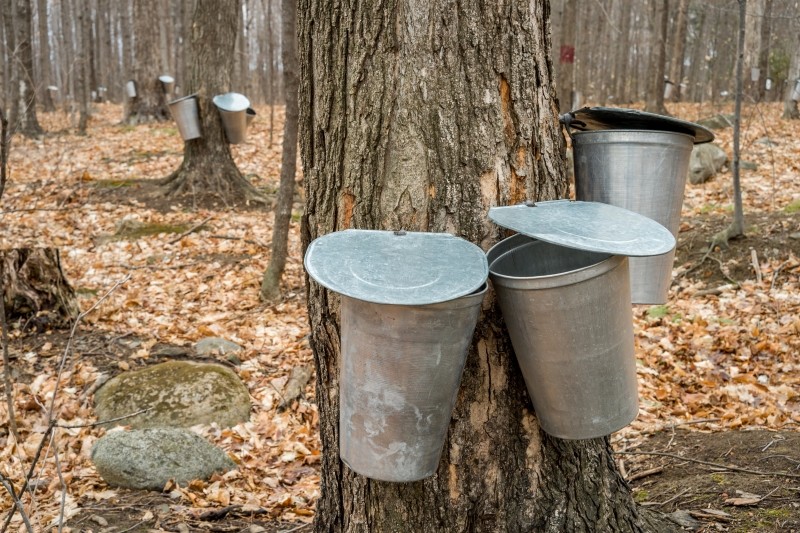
(721, 238)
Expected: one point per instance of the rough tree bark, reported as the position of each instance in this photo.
(789, 105)
(26, 121)
(679, 48)
(33, 288)
(44, 59)
(270, 284)
(420, 115)
(736, 227)
(149, 104)
(655, 93)
(83, 39)
(208, 168)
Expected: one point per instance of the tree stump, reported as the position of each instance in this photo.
(34, 288)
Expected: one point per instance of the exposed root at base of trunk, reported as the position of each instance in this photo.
(721, 238)
(231, 188)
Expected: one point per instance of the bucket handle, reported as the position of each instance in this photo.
(568, 120)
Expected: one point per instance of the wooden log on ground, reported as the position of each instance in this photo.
(34, 289)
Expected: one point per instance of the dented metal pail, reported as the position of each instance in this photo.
(167, 83)
(233, 110)
(643, 171)
(187, 117)
(568, 314)
(400, 371)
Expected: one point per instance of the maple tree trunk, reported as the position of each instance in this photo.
(655, 91)
(270, 284)
(27, 122)
(34, 287)
(208, 167)
(85, 31)
(149, 104)
(679, 49)
(44, 58)
(790, 110)
(419, 117)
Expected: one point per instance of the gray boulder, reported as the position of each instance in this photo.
(175, 394)
(149, 458)
(707, 159)
(216, 346)
(717, 122)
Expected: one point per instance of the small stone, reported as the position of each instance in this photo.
(255, 528)
(684, 519)
(149, 458)
(216, 346)
(99, 520)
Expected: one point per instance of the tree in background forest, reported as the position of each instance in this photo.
(21, 92)
(150, 102)
(208, 167)
(420, 116)
(270, 284)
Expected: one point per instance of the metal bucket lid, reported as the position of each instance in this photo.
(396, 267)
(589, 226)
(231, 102)
(166, 79)
(611, 118)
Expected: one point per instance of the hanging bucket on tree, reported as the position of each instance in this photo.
(187, 117)
(563, 286)
(167, 83)
(409, 306)
(637, 161)
(130, 89)
(233, 110)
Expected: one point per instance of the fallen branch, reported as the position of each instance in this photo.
(17, 502)
(51, 418)
(756, 265)
(731, 468)
(233, 238)
(645, 473)
(190, 230)
(101, 422)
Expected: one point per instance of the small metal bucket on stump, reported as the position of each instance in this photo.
(187, 117)
(167, 83)
(410, 303)
(563, 287)
(637, 161)
(233, 110)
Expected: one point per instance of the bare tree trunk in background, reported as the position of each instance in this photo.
(208, 167)
(790, 110)
(655, 91)
(679, 49)
(622, 55)
(67, 66)
(5, 142)
(150, 103)
(270, 283)
(736, 228)
(271, 71)
(44, 60)
(26, 121)
(752, 47)
(566, 63)
(764, 49)
(84, 62)
(11, 63)
(392, 148)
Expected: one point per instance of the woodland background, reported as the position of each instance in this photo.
(721, 356)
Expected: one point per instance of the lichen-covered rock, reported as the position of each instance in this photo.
(706, 160)
(149, 458)
(176, 394)
(216, 346)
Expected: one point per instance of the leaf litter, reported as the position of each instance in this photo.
(717, 356)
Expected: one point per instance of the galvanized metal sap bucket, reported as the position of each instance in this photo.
(637, 161)
(410, 302)
(167, 83)
(187, 117)
(130, 89)
(233, 110)
(563, 287)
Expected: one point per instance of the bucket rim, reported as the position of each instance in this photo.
(560, 279)
(652, 133)
(183, 98)
(467, 300)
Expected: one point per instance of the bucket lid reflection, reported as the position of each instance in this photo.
(232, 102)
(396, 267)
(589, 226)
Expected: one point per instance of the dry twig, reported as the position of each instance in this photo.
(731, 468)
(190, 230)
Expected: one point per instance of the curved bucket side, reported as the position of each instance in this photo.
(569, 318)
(644, 172)
(400, 371)
(186, 115)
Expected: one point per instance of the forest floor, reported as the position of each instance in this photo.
(717, 439)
